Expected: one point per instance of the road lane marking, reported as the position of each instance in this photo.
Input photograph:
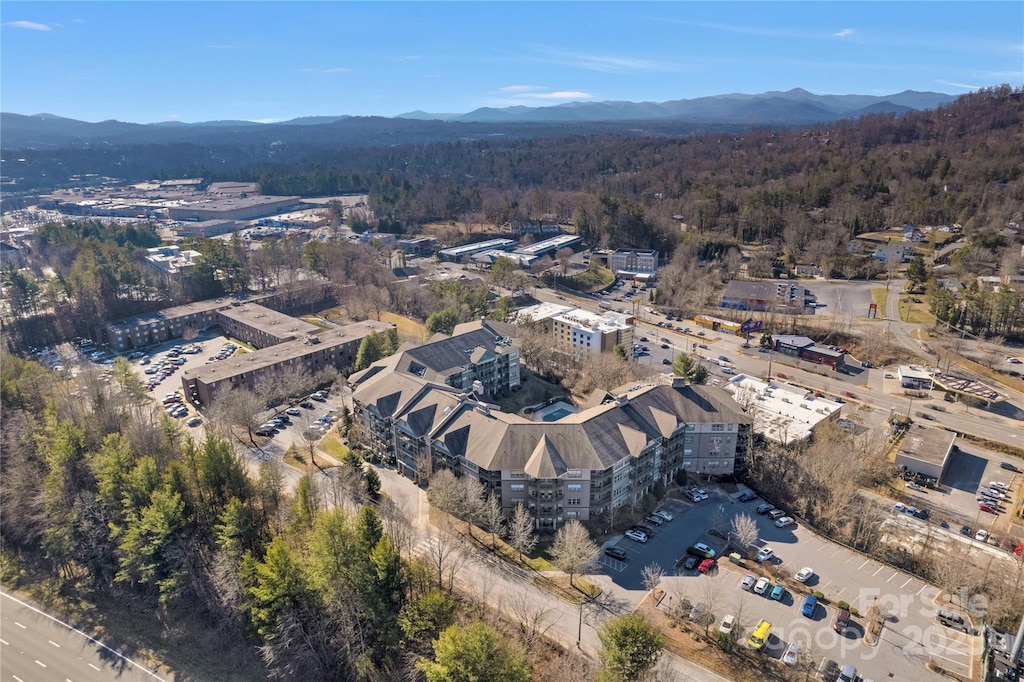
(53, 643)
(79, 632)
(93, 667)
(20, 625)
(40, 663)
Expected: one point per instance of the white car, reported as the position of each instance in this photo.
(784, 522)
(636, 535)
(1013, 360)
(762, 585)
(899, 508)
(998, 485)
(804, 574)
(664, 514)
(748, 582)
(765, 554)
(728, 623)
(981, 535)
(792, 655)
(700, 546)
(915, 486)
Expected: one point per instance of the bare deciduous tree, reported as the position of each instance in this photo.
(744, 530)
(444, 557)
(239, 408)
(652, 575)
(532, 619)
(573, 551)
(521, 534)
(708, 595)
(494, 518)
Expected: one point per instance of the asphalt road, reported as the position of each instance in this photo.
(35, 646)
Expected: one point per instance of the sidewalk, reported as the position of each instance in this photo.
(508, 589)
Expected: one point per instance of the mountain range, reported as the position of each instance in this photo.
(732, 111)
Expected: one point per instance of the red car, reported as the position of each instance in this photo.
(987, 508)
(1018, 550)
(706, 565)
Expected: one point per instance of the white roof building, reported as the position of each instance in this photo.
(172, 260)
(781, 412)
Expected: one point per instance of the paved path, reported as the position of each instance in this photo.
(35, 646)
(509, 590)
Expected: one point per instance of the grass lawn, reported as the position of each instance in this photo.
(332, 445)
(408, 329)
(314, 319)
(299, 459)
(878, 298)
(532, 390)
(590, 280)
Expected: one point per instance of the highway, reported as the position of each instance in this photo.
(37, 647)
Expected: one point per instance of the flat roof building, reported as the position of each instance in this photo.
(457, 253)
(333, 347)
(641, 264)
(779, 411)
(549, 245)
(582, 330)
(915, 378)
(926, 451)
(783, 297)
(241, 207)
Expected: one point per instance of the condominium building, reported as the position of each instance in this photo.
(578, 467)
(581, 330)
(639, 264)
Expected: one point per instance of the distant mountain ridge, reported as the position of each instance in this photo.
(793, 107)
(731, 111)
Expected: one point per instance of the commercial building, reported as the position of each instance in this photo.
(779, 411)
(805, 349)
(417, 246)
(915, 378)
(542, 314)
(457, 253)
(782, 297)
(311, 353)
(241, 207)
(549, 245)
(487, 258)
(926, 451)
(202, 228)
(578, 467)
(639, 264)
(894, 253)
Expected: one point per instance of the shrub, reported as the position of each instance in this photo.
(843, 606)
(817, 595)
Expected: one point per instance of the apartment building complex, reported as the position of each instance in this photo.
(578, 467)
(309, 353)
(573, 330)
(641, 264)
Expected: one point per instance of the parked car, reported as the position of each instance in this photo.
(987, 508)
(778, 593)
(764, 508)
(646, 530)
(915, 486)
(981, 535)
(810, 605)
(776, 514)
(701, 550)
(965, 530)
(1009, 467)
(706, 565)
(615, 553)
(765, 554)
(194, 422)
(306, 404)
(784, 522)
(656, 520)
(747, 497)
(761, 586)
(728, 624)
(804, 574)
(748, 582)
(636, 535)
(792, 655)
(842, 621)
(691, 562)
(664, 514)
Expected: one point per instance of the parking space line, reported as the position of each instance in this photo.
(840, 549)
(878, 571)
(923, 588)
(896, 574)
(866, 562)
(909, 580)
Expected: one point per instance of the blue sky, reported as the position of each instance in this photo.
(264, 61)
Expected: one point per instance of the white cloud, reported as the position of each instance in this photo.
(29, 25)
(520, 88)
(561, 94)
(607, 63)
(266, 120)
(845, 33)
(965, 86)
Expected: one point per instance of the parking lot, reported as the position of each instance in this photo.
(911, 636)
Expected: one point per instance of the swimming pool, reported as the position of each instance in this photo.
(555, 415)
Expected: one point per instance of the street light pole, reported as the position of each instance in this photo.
(579, 632)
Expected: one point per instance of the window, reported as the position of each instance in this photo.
(517, 487)
(718, 427)
(517, 474)
(573, 501)
(573, 487)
